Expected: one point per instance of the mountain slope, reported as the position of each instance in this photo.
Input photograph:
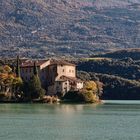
(40, 28)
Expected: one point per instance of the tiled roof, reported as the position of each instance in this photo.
(61, 80)
(70, 78)
(30, 63)
(60, 62)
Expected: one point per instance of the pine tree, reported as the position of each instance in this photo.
(36, 91)
(35, 71)
(18, 83)
(17, 67)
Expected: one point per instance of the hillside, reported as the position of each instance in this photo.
(41, 28)
(121, 77)
(126, 68)
(121, 54)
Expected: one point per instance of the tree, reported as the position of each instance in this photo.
(100, 88)
(90, 91)
(9, 82)
(91, 86)
(36, 91)
(35, 71)
(17, 67)
(17, 83)
(7, 69)
(88, 94)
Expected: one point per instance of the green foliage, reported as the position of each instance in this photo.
(36, 91)
(85, 76)
(74, 96)
(88, 94)
(81, 96)
(4, 97)
(33, 89)
(131, 54)
(117, 88)
(8, 78)
(35, 71)
(126, 68)
(10, 84)
(17, 67)
(120, 76)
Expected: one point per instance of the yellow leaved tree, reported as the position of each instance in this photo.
(9, 83)
(90, 91)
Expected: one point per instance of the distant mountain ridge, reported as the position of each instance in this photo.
(41, 28)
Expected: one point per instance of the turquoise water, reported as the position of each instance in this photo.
(110, 121)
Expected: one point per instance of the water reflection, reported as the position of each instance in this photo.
(69, 121)
(43, 108)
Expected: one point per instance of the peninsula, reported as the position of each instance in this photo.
(25, 80)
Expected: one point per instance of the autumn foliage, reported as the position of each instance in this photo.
(89, 94)
(7, 77)
(9, 82)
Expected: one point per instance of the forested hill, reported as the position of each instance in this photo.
(121, 54)
(39, 28)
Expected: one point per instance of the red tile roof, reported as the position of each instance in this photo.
(61, 62)
(30, 63)
(70, 78)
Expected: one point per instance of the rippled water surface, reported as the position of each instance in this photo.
(110, 121)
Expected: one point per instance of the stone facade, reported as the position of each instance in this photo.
(57, 69)
(27, 70)
(56, 76)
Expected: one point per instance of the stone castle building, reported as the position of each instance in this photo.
(27, 70)
(57, 76)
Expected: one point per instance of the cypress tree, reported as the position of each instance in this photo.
(17, 67)
(35, 71)
(18, 81)
(36, 91)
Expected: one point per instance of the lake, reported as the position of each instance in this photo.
(114, 120)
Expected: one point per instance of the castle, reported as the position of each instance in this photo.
(57, 76)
